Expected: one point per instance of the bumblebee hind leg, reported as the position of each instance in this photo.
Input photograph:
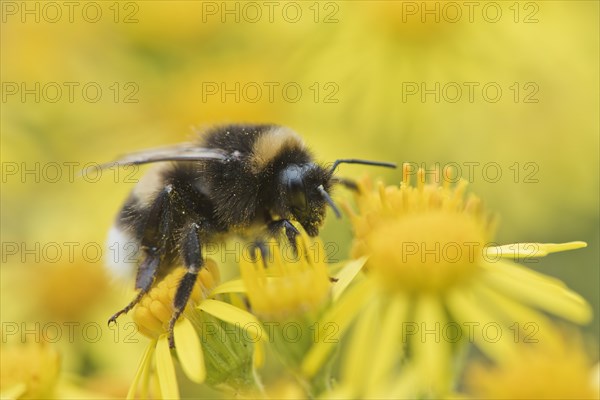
(191, 255)
(156, 229)
(150, 264)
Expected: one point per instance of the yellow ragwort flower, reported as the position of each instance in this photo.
(29, 371)
(432, 282)
(68, 299)
(557, 370)
(288, 292)
(287, 285)
(423, 238)
(153, 314)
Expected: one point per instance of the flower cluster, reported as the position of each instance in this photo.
(426, 306)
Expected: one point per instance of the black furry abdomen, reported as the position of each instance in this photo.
(182, 186)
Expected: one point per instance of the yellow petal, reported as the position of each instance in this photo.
(518, 272)
(346, 275)
(357, 363)
(341, 314)
(341, 392)
(545, 295)
(476, 321)
(142, 370)
(526, 250)
(165, 369)
(388, 347)
(595, 378)
(259, 354)
(13, 392)
(189, 351)
(431, 350)
(228, 313)
(526, 324)
(153, 387)
(234, 286)
(405, 386)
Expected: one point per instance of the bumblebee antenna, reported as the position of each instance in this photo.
(329, 200)
(364, 162)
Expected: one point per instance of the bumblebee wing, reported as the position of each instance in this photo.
(182, 152)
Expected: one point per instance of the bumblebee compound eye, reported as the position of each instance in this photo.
(292, 181)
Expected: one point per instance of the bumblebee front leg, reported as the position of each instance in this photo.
(291, 232)
(347, 183)
(259, 245)
(191, 255)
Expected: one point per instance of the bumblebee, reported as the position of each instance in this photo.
(233, 180)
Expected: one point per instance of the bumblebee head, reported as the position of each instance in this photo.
(299, 190)
(305, 190)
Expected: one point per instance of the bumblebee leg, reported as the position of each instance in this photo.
(157, 226)
(260, 245)
(290, 231)
(191, 255)
(151, 264)
(347, 183)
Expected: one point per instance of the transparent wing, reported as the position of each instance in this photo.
(181, 152)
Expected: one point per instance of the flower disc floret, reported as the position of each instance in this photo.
(154, 311)
(423, 237)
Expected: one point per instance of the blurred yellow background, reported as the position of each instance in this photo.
(505, 91)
